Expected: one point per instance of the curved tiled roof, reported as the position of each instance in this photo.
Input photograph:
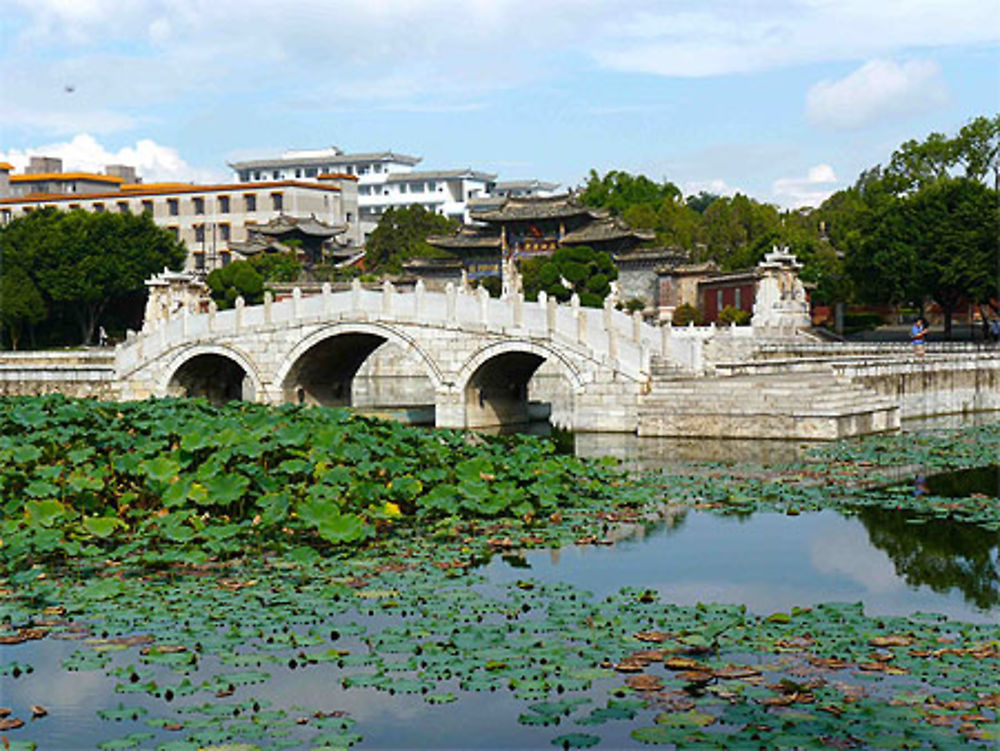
(283, 224)
(604, 230)
(525, 208)
(467, 237)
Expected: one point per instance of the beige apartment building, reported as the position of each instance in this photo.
(213, 221)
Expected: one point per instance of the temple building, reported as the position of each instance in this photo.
(311, 240)
(526, 226)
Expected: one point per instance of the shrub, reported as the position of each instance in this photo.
(731, 314)
(685, 314)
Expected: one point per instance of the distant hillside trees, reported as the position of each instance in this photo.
(401, 234)
(64, 273)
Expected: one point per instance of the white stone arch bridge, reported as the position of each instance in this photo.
(476, 354)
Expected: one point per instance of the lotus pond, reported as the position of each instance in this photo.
(179, 576)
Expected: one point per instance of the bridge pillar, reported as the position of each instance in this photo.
(449, 408)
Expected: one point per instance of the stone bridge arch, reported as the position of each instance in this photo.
(220, 373)
(492, 384)
(320, 368)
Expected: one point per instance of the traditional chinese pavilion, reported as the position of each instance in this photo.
(526, 226)
(312, 240)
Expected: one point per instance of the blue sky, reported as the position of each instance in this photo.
(786, 100)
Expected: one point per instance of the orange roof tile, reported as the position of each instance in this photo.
(6, 166)
(65, 176)
(153, 190)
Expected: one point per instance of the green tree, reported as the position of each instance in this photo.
(940, 241)
(978, 149)
(401, 234)
(81, 262)
(702, 201)
(276, 267)
(587, 272)
(619, 191)
(21, 303)
(238, 279)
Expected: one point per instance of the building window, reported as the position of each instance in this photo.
(276, 175)
(298, 173)
(244, 176)
(223, 204)
(199, 233)
(147, 207)
(123, 207)
(257, 176)
(311, 172)
(737, 297)
(226, 257)
(378, 167)
(277, 201)
(199, 205)
(173, 207)
(6, 216)
(349, 217)
(250, 202)
(417, 188)
(224, 232)
(99, 208)
(74, 206)
(402, 187)
(199, 261)
(718, 301)
(350, 169)
(431, 185)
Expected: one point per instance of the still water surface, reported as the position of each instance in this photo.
(769, 562)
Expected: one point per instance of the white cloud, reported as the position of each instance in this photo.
(848, 552)
(795, 192)
(153, 162)
(716, 186)
(877, 90)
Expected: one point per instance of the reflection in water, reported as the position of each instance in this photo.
(940, 553)
(966, 482)
(649, 453)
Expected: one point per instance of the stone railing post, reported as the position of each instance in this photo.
(355, 294)
(185, 318)
(609, 309)
(637, 326)
(484, 305)
(419, 293)
(238, 320)
(574, 304)
(296, 303)
(666, 330)
(450, 306)
(612, 343)
(581, 326)
(550, 315)
(268, 305)
(327, 292)
(212, 310)
(387, 291)
(517, 301)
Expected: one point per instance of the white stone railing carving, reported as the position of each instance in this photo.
(622, 341)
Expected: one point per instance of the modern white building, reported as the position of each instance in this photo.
(385, 180)
(214, 221)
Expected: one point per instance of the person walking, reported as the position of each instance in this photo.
(918, 335)
(102, 337)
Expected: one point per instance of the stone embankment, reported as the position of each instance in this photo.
(81, 373)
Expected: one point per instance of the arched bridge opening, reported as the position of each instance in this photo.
(363, 370)
(216, 377)
(502, 392)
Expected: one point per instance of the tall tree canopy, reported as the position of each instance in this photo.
(401, 234)
(81, 262)
(928, 224)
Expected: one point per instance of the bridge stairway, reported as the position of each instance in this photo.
(811, 405)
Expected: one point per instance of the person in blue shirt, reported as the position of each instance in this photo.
(917, 336)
